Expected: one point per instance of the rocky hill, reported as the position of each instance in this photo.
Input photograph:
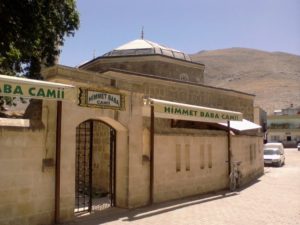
(274, 77)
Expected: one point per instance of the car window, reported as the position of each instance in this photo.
(271, 152)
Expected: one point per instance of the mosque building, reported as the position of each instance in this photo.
(133, 127)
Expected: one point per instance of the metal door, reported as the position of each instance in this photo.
(84, 168)
(83, 173)
(112, 166)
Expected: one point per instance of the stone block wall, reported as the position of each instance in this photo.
(138, 186)
(201, 96)
(101, 158)
(189, 165)
(163, 89)
(152, 65)
(73, 115)
(27, 185)
(248, 150)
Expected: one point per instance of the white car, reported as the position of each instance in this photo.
(273, 156)
(298, 146)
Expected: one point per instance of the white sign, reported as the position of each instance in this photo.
(27, 88)
(101, 99)
(180, 111)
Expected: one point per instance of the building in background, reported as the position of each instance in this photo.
(284, 126)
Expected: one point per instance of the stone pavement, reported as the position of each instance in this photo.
(273, 199)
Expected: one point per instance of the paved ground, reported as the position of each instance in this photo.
(274, 199)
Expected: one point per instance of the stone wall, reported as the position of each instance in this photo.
(72, 116)
(187, 93)
(153, 65)
(196, 164)
(201, 96)
(191, 164)
(161, 89)
(101, 158)
(167, 90)
(27, 172)
(248, 150)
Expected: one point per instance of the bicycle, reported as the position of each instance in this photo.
(234, 176)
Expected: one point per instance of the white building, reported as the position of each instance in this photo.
(284, 126)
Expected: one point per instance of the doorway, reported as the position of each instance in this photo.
(95, 166)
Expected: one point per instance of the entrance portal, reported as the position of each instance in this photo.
(95, 166)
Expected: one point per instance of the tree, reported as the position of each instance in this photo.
(31, 33)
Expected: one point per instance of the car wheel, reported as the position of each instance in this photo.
(279, 164)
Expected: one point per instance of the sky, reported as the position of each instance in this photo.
(189, 26)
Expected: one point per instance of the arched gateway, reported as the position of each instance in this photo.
(95, 166)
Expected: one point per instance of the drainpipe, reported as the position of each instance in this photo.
(229, 147)
(151, 152)
(57, 161)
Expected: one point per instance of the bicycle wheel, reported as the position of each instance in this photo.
(232, 183)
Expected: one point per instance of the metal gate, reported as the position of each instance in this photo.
(84, 167)
(112, 166)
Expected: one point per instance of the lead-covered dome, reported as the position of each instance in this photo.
(145, 47)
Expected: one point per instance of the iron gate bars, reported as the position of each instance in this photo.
(84, 157)
(84, 166)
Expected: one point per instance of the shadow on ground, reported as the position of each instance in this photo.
(114, 214)
(127, 215)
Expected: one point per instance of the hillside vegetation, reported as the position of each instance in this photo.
(274, 77)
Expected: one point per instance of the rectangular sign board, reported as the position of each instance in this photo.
(27, 88)
(180, 111)
(101, 99)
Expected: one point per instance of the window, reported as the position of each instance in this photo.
(113, 83)
(275, 138)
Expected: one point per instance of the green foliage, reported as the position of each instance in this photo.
(31, 32)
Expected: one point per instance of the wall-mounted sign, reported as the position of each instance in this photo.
(27, 88)
(180, 111)
(101, 99)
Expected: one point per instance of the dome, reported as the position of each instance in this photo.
(145, 47)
